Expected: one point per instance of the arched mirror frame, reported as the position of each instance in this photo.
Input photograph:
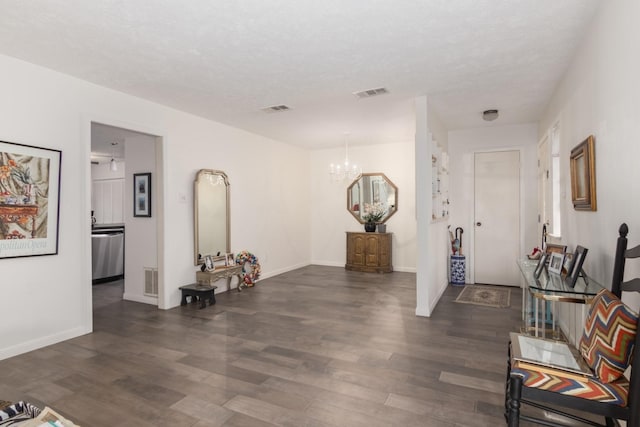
(202, 173)
(356, 183)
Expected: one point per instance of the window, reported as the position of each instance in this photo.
(555, 222)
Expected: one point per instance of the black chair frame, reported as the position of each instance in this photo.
(516, 394)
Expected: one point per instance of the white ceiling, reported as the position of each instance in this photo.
(108, 142)
(225, 60)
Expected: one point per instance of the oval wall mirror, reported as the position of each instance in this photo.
(372, 192)
(211, 215)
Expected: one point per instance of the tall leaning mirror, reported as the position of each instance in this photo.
(211, 215)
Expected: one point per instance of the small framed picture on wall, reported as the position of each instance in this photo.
(142, 194)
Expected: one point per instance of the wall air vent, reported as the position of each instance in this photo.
(276, 109)
(371, 92)
(150, 281)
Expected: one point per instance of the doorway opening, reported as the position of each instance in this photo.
(120, 266)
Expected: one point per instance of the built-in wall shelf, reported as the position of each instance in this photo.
(439, 183)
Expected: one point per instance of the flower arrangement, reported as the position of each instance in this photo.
(374, 212)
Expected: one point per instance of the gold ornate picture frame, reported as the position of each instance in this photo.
(583, 175)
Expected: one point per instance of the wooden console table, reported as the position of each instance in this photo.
(210, 277)
(13, 213)
(369, 252)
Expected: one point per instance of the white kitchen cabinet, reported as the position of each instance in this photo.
(107, 201)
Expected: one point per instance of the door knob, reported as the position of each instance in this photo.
(478, 224)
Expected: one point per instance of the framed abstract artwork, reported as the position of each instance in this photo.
(142, 194)
(29, 200)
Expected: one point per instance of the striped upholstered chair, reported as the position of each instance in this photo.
(607, 346)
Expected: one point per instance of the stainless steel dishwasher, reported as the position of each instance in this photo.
(107, 253)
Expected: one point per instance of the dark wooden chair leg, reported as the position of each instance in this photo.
(515, 393)
(506, 383)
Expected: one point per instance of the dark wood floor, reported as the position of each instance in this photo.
(318, 346)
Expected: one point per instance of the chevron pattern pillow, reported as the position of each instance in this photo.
(609, 336)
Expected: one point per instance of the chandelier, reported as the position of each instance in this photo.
(346, 171)
(113, 166)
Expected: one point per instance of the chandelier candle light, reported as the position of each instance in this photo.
(346, 171)
(113, 166)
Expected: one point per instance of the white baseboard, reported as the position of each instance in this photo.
(435, 300)
(222, 283)
(283, 270)
(341, 264)
(327, 263)
(423, 312)
(37, 343)
(140, 298)
(405, 269)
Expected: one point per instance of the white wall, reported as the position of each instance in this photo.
(462, 146)
(431, 265)
(141, 233)
(103, 171)
(600, 95)
(438, 236)
(270, 204)
(330, 219)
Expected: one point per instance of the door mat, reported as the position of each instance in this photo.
(489, 296)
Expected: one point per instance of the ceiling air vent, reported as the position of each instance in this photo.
(276, 109)
(371, 92)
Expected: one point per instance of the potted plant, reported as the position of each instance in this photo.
(373, 213)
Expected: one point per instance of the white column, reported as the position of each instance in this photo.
(423, 206)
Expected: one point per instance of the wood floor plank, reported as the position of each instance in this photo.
(269, 412)
(470, 382)
(240, 420)
(315, 347)
(213, 414)
(337, 416)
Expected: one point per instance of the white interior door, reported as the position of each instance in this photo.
(497, 218)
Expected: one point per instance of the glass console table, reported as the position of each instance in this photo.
(540, 297)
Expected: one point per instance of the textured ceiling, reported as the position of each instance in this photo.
(225, 60)
(108, 142)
